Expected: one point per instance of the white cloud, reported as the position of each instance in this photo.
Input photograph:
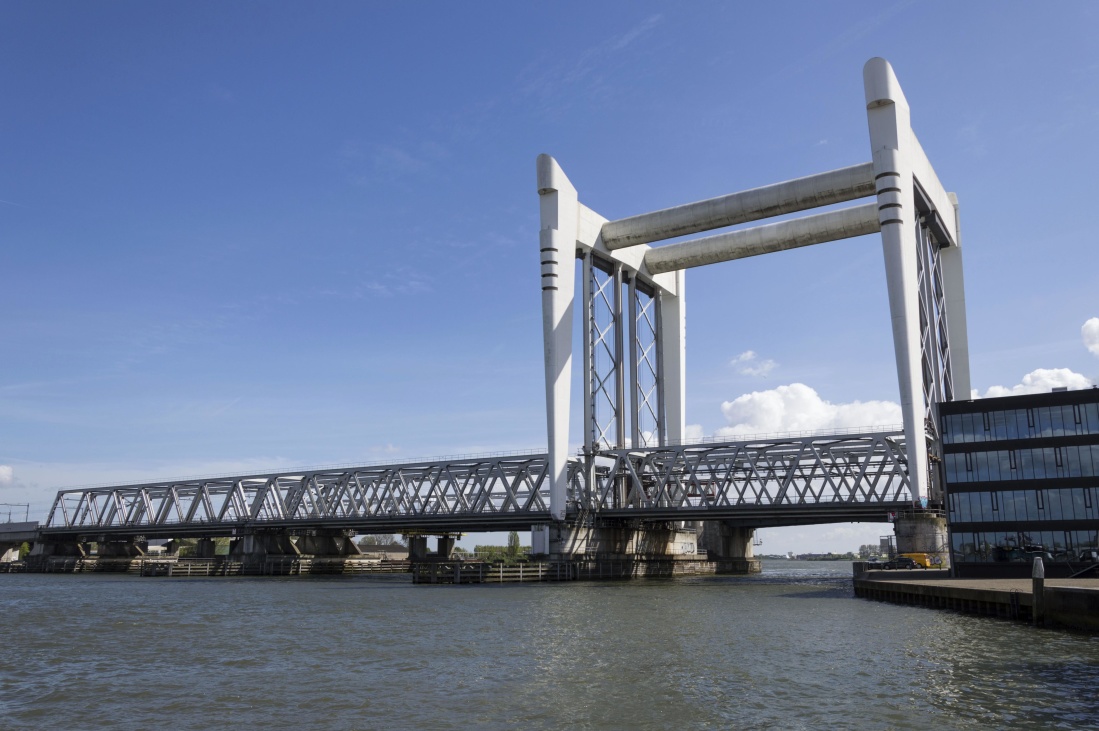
(693, 432)
(7, 475)
(1090, 334)
(798, 407)
(748, 364)
(1042, 380)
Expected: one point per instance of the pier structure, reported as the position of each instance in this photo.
(637, 490)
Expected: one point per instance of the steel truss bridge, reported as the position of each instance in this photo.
(761, 482)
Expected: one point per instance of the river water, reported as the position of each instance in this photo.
(788, 649)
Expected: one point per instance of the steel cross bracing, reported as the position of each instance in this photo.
(623, 401)
(603, 354)
(780, 481)
(935, 356)
(644, 364)
(938, 385)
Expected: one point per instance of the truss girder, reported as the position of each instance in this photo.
(494, 485)
(867, 468)
(802, 472)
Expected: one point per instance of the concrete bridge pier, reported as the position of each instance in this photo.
(923, 533)
(124, 548)
(729, 546)
(613, 540)
(67, 549)
(260, 545)
(328, 543)
(418, 551)
(205, 548)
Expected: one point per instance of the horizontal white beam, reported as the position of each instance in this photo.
(823, 189)
(842, 224)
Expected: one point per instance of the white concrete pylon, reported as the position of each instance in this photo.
(891, 141)
(673, 354)
(557, 247)
(954, 286)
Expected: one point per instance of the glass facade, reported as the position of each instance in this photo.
(1025, 423)
(1021, 479)
(1009, 506)
(1022, 546)
(1036, 463)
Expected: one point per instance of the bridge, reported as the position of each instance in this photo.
(788, 481)
(636, 467)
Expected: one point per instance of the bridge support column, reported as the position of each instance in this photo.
(729, 546)
(923, 533)
(205, 548)
(63, 548)
(417, 548)
(132, 548)
(337, 543)
(619, 541)
(257, 546)
(328, 543)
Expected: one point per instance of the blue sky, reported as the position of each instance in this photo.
(251, 236)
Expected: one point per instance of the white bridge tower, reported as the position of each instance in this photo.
(632, 294)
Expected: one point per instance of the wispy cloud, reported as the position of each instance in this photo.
(366, 163)
(972, 137)
(398, 282)
(748, 363)
(847, 38)
(548, 80)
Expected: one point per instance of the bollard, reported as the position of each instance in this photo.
(1038, 595)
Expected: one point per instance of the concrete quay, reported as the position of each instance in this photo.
(1068, 603)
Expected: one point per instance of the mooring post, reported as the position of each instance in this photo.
(1038, 589)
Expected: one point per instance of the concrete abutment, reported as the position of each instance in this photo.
(923, 533)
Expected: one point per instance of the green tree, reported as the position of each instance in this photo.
(513, 544)
(378, 539)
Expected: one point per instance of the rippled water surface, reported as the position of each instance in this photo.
(791, 649)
